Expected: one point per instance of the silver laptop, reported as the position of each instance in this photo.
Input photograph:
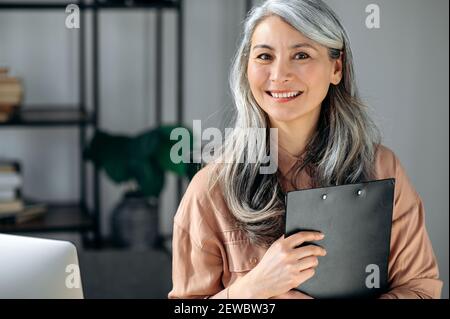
(34, 268)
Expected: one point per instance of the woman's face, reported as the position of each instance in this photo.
(289, 74)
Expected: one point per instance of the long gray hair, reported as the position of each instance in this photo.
(341, 151)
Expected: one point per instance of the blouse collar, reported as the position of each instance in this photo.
(286, 163)
(287, 160)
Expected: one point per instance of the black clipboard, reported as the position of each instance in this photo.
(356, 220)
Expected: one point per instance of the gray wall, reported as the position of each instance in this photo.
(402, 71)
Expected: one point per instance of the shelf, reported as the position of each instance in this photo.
(58, 218)
(72, 217)
(168, 4)
(54, 116)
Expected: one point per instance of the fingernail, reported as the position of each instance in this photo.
(321, 235)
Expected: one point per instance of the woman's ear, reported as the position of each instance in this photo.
(336, 76)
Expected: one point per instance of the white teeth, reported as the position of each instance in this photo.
(284, 95)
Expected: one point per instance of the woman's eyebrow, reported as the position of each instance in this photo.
(295, 46)
(300, 45)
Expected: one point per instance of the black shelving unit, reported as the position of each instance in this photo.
(78, 217)
(59, 217)
(50, 116)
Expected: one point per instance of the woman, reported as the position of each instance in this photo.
(292, 72)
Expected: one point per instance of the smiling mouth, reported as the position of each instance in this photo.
(284, 96)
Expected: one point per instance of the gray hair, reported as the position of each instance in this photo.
(341, 151)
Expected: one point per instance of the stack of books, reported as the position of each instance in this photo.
(11, 93)
(13, 208)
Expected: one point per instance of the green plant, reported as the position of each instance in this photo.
(144, 158)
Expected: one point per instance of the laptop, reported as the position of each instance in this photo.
(35, 268)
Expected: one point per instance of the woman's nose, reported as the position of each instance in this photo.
(280, 72)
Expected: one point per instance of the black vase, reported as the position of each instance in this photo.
(134, 222)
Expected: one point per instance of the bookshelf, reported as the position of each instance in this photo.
(78, 216)
(58, 217)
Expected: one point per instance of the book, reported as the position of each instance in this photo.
(10, 86)
(30, 210)
(11, 91)
(12, 206)
(8, 168)
(8, 111)
(10, 165)
(10, 180)
(356, 220)
(4, 117)
(7, 108)
(9, 99)
(9, 194)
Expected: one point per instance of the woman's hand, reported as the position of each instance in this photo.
(285, 265)
(292, 294)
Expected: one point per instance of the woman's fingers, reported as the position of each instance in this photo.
(304, 236)
(310, 250)
(308, 262)
(306, 274)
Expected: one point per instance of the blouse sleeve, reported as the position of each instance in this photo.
(413, 270)
(197, 263)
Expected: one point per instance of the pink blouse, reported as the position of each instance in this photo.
(210, 252)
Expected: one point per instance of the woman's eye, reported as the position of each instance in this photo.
(264, 57)
(301, 56)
